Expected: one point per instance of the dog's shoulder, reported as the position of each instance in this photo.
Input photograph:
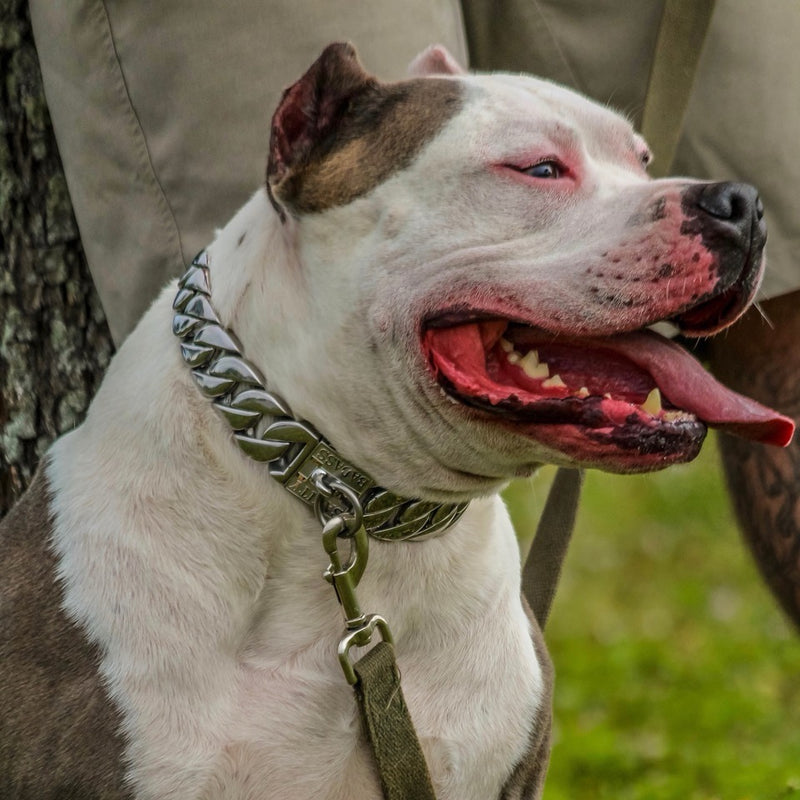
(53, 708)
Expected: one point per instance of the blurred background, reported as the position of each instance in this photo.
(676, 674)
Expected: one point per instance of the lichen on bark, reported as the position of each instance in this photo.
(54, 341)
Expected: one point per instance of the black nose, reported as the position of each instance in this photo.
(734, 204)
(729, 217)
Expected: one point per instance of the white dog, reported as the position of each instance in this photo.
(450, 278)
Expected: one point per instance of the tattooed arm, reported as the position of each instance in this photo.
(764, 363)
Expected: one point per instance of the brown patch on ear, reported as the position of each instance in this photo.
(58, 729)
(309, 110)
(338, 132)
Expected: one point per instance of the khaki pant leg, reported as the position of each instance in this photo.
(162, 109)
(743, 120)
(601, 49)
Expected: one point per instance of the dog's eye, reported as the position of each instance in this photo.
(549, 170)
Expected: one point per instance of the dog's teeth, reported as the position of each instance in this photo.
(514, 357)
(652, 405)
(582, 392)
(607, 396)
(531, 358)
(532, 367)
(507, 346)
(554, 383)
(539, 371)
(665, 328)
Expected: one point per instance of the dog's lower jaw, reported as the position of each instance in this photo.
(201, 582)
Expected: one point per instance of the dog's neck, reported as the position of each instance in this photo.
(299, 458)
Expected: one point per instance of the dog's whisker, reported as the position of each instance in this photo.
(763, 314)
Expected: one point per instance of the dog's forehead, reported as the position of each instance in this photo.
(527, 109)
(458, 122)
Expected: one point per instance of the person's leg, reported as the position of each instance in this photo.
(762, 360)
(162, 113)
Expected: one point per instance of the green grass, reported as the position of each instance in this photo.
(677, 676)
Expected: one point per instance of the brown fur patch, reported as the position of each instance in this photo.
(527, 780)
(58, 729)
(387, 129)
(339, 133)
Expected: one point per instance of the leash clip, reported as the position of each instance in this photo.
(346, 522)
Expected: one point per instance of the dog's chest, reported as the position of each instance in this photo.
(225, 670)
(298, 735)
(472, 686)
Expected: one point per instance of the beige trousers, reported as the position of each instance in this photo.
(162, 107)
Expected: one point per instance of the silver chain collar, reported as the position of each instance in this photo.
(266, 430)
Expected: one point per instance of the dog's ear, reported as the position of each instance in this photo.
(436, 60)
(308, 113)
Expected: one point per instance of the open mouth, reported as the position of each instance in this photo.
(632, 401)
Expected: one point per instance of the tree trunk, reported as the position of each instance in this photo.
(54, 341)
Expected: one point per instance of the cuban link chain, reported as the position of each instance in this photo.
(266, 430)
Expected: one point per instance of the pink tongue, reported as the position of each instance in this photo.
(688, 386)
(680, 377)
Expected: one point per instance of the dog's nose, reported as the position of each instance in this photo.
(734, 205)
(730, 219)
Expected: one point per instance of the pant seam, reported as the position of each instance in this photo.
(147, 169)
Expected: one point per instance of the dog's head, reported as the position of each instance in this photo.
(480, 259)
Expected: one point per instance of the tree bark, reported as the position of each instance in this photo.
(54, 341)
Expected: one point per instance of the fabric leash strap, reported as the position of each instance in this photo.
(549, 548)
(683, 28)
(375, 677)
(387, 723)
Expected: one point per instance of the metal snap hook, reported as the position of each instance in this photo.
(331, 489)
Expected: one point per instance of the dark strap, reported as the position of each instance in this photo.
(683, 28)
(401, 765)
(546, 556)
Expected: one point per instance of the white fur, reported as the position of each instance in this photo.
(201, 578)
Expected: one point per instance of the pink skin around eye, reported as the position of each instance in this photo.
(567, 181)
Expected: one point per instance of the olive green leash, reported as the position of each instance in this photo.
(398, 756)
(681, 34)
(375, 677)
(542, 568)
